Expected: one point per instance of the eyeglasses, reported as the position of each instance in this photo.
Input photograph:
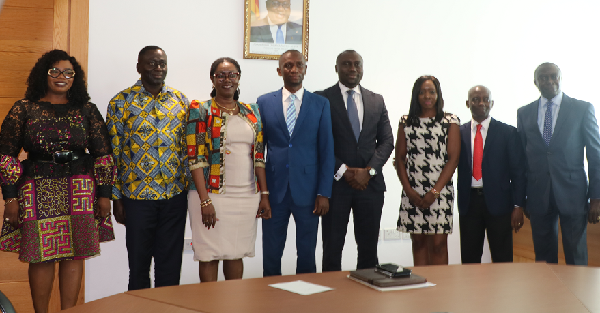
(231, 75)
(477, 100)
(67, 73)
(276, 4)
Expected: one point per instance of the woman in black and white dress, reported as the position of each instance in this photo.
(427, 152)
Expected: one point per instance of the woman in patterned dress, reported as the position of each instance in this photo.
(427, 151)
(57, 201)
(225, 152)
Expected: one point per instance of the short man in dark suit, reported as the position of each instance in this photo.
(299, 143)
(491, 182)
(555, 131)
(276, 27)
(363, 142)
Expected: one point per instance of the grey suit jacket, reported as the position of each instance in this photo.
(293, 33)
(376, 140)
(559, 167)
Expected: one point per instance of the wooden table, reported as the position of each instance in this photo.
(514, 287)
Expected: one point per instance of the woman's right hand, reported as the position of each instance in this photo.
(414, 198)
(11, 211)
(209, 216)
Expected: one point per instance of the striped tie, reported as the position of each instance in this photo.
(290, 116)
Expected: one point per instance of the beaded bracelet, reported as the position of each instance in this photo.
(9, 201)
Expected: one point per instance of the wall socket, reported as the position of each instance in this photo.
(391, 234)
(187, 244)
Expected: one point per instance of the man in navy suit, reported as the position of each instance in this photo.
(299, 168)
(555, 131)
(363, 143)
(276, 27)
(491, 182)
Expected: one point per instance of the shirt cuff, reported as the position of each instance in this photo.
(340, 172)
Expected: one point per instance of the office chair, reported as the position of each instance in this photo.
(5, 305)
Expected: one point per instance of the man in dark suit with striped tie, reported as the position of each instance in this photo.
(363, 142)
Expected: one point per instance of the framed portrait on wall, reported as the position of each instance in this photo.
(272, 27)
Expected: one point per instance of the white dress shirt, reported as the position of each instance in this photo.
(287, 100)
(274, 28)
(557, 100)
(357, 96)
(485, 125)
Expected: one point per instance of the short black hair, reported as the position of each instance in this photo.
(37, 82)
(542, 65)
(148, 48)
(213, 69)
(415, 108)
(337, 60)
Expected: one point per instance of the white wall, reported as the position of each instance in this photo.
(462, 42)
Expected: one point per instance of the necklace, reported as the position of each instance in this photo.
(224, 108)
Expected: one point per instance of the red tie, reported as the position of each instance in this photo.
(477, 154)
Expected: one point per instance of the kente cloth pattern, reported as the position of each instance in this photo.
(206, 135)
(56, 201)
(147, 137)
(426, 146)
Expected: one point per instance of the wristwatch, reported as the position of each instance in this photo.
(372, 171)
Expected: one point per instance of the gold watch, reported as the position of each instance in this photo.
(436, 193)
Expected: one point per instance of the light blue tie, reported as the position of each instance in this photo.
(290, 116)
(279, 35)
(353, 114)
(548, 123)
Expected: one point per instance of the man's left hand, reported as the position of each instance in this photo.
(361, 179)
(321, 205)
(516, 218)
(594, 215)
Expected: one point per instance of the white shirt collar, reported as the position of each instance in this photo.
(485, 124)
(286, 94)
(557, 100)
(345, 89)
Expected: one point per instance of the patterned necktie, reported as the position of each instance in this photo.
(353, 114)
(279, 35)
(547, 134)
(477, 153)
(290, 116)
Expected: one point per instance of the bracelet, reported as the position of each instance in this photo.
(436, 193)
(9, 201)
(205, 203)
(264, 192)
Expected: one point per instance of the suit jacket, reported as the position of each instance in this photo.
(293, 33)
(503, 169)
(376, 140)
(559, 167)
(305, 160)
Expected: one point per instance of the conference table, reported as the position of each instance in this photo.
(508, 287)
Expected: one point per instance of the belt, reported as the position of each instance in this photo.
(477, 190)
(58, 157)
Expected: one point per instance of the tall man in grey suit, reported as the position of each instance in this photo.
(554, 131)
(363, 142)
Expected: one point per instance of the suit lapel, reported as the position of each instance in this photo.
(466, 134)
(532, 117)
(368, 119)
(306, 106)
(490, 138)
(564, 113)
(278, 109)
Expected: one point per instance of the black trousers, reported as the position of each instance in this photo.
(473, 226)
(366, 207)
(155, 228)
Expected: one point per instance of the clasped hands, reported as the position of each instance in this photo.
(357, 178)
(418, 201)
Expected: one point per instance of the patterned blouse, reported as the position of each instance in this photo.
(43, 128)
(206, 134)
(147, 140)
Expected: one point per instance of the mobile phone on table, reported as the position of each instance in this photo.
(392, 270)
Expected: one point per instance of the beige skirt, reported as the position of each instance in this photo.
(234, 234)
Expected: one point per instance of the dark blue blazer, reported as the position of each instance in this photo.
(560, 166)
(503, 169)
(293, 33)
(305, 160)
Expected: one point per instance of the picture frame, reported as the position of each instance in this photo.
(272, 27)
